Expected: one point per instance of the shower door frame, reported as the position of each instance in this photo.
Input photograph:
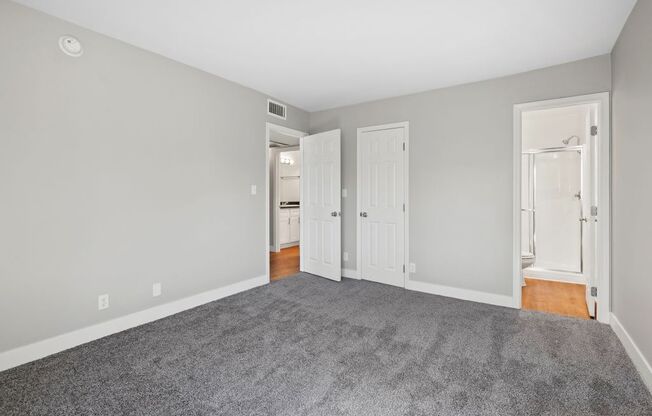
(532, 179)
(601, 254)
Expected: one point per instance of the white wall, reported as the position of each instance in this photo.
(289, 177)
(547, 128)
(460, 169)
(631, 176)
(117, 170)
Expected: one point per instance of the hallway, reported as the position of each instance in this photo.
(284, 264)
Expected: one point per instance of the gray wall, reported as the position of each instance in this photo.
(460, 169)
(631, 177)
(119, 169)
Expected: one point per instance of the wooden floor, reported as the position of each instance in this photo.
(284, 264)
(566, 299)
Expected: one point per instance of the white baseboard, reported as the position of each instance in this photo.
(457, 293)
(40, 349)
(288, 245)
(641, 364)
(555, 276)
(350, 273)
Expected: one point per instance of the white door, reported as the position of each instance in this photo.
(320, 205)
(381, 205)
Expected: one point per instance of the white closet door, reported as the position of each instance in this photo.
(320, 205)
(382, 195)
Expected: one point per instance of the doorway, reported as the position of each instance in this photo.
(283, 184)
(382, 248)
(303, 203)
(561, 206)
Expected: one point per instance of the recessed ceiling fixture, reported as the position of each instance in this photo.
(71, 46)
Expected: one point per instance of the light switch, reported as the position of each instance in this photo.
(344, 193)
(157, 289)
(253, 189)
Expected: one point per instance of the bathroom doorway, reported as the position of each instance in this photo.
(562, 194)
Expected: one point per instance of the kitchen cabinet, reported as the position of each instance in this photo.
(289, 227)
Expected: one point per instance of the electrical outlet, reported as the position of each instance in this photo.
(345, 256)
(253, 190)
(413, 268)
(344, 193)
(102, 302)
(156, 289)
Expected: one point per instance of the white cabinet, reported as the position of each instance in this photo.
(289, 225)
(284, 226)
(295, 223)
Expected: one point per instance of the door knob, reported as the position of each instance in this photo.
(584, 220)
(334, 214)
(363, 214)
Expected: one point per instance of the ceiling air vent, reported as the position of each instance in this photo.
(276, 109)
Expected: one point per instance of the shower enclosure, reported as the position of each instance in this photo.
(552, 214)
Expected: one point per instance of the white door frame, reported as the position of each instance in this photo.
(603, 269)
(406, 187)
(269, 127)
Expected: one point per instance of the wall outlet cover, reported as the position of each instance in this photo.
(413, 268)
(345, 256)
(253, 190)
(156, 289)
(102, 302)
(344, 193)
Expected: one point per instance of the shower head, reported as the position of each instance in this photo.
(567, 140)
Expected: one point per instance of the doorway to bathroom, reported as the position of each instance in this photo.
(561, 206)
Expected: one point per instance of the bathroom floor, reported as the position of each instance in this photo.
(567, 299)
(284, 263)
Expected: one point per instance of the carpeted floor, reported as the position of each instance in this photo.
(309, 346)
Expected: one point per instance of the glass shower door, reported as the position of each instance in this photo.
(557, 198)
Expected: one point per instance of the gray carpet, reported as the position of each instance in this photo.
(309, 346)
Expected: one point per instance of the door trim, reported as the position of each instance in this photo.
(269, 127)
(406, 189)
(603, 226)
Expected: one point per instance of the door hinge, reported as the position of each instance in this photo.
(404, 146)
(594, 130)
(594, 291)
(404, 268)
(403, 207)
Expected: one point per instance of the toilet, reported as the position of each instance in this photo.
(527, 260)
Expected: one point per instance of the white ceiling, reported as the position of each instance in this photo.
(281, 138)
(318, 54)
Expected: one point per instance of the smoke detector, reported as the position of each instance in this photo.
(71, 46)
